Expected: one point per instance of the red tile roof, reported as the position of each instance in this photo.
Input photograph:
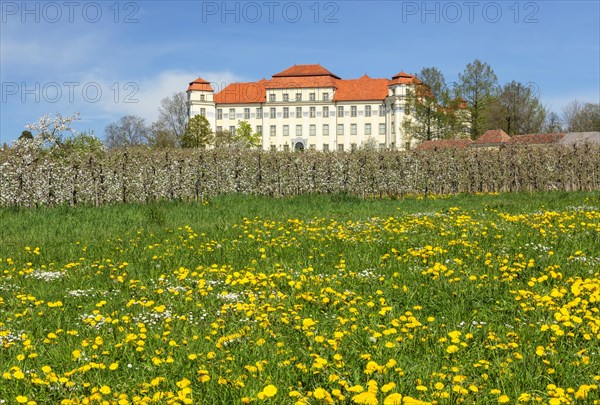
(305, 70)
(492, 136)
(200, 85)
(364, 88)
(404, 78)
(307, 76)
(301, 82)
(243, 93)
(445, 144)
(536, 139)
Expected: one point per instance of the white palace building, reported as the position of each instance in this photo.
(308, 107)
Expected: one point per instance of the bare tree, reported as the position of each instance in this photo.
(159, 136)
(516, 110)
(173, 114)
(553, 123)
(579, 117)
(130, 130)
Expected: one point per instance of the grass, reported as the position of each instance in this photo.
(315, 299)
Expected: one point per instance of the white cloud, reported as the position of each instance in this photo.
(143, 97)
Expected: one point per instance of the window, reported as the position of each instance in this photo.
(259, 129)
(273, 148)
(340, 111)
(311, 96)
(219, 128)
(232, 113)
(325, 112)
(298, 130)
(367, 111)
(353, 111)
(352, 129)
(272, 130)
(367, 129)
(286, 148)
(272, 98)
(353, 147)
(272, 113)
(202, 97)
(381, 129)
(406, 108)
(325, 147)
(340, 147)
(312, 146)
(286, 97)
(246, 113)
(325, 96)
(325, 129)
(232, 129)
(312, 130)
(313, 112)
(286, 130)
(393, 127)
(382, 146)
(340, 130)
(298, 112)
(382, 111)
(203, 112)
(259, 112)
(219, 114)
(286, 112)
(298, 96)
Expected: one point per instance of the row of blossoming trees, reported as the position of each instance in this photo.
(47, 177)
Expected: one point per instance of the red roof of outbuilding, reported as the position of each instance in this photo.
(492, 136)
(537, 139)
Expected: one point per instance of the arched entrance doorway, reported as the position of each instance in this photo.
(299, 147)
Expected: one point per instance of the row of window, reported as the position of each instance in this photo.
(286, 97)
(311, 113)
(312, 146)
(312, 129)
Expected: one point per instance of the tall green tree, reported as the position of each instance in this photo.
(197, 134)
(516, 110)
(477, 86)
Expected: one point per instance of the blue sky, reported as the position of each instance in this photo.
(106, 59)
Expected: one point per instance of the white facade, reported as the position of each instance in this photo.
(343, 115)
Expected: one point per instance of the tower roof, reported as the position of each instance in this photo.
(200, 85)
(404, 78)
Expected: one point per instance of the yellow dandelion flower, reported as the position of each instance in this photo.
(503, 399)
(270, 391)
(393, 399)
(388, 387)
(452, 349)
